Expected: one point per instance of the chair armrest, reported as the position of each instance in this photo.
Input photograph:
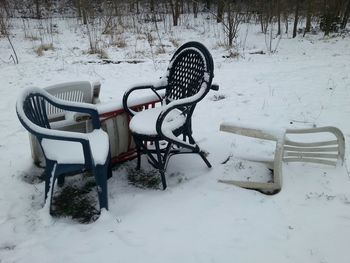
(176, 104)
(141, 87)
(260, 133)
(78, 107)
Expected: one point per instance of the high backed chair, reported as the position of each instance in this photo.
(188, 80)
(66, 152)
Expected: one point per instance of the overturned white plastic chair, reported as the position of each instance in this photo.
(328, 152)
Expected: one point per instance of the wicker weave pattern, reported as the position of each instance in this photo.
(186, 75)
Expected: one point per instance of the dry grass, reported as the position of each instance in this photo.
(174, 41)
(76, 202)
(144, 179)
(43, 47)
(159, 50)
(120, 42)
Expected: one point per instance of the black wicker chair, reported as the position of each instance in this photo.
(167, 130)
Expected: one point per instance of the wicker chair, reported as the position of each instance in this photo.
(164, 131)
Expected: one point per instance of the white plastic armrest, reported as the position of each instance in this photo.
(260, 133)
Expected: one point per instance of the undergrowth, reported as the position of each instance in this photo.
(77, 203)
(144, 179)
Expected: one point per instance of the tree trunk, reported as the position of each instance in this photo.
(220, 13)
(346, 16)
(286, 22)
(296, 18)
(79, 8)
(175, 10)
(195, 9)
(152, 5)
(207, 4)
(308, 17)
(37, 8)
(115, 5)
(278, 17)
(261, 23)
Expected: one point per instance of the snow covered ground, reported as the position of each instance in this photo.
(305, 84)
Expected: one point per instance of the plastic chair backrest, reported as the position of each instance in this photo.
(78, 91)
(35, 109)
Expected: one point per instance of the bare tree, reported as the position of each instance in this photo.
(4, 28)
(220, 10)
(233, 20)
(308, 17)
(175, 10)
(346, 15)
(296, 18)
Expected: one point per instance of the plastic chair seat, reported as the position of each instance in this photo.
(57, 149)
(144, 122)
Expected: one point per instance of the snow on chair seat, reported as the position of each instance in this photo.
(57, 150)
(326, 151)
(145, 121)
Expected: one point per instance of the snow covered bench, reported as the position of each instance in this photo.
(329, 151)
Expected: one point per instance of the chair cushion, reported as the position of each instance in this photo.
(144, 122)
(67, 152)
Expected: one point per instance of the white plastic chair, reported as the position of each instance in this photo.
(328, 152)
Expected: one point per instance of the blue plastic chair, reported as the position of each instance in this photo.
(66, 152)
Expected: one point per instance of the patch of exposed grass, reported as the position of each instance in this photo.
(174, 41)
(102, 54)
(120, 42)
(144, 179)
(43, 47)
(76, 203)
(159, 50)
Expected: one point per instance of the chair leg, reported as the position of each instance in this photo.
(60, 180)
(201, 154)
(52, 188)
(50, 166)
(100, 173)
(138, 151)
(161, 163)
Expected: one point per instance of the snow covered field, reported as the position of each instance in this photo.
(305, 84)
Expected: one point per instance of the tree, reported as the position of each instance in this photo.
(296, 18)
(346, 15)
(220, 10)
(175, 10)
(308, 17)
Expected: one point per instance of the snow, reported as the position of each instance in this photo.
(144, 122)
(305, 84)
(72, 152)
